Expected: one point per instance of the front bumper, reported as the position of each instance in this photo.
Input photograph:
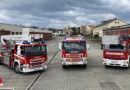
(121, 63)
(25, 70)
(64, 62)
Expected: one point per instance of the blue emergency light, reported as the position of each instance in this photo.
(124, 37)
(43, 42)
(64, 38)
(83, 38)
(26, 42)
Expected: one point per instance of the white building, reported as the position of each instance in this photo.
(7, 29)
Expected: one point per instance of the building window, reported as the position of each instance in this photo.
(117, 22)
(20, 33)
(12, 33)
(16, 33)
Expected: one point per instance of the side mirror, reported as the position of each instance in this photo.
(60, 46)
(87, 46)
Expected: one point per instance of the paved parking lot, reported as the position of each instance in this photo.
(94, 77)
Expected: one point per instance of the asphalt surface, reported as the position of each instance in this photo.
(94, 77)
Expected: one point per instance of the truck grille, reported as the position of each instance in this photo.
(35, 63)
(75, 55)
(36, 66)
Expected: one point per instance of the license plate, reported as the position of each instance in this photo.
(114, 62)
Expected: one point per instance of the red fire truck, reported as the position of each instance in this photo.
(116, 50)
(74, 51)
(23, 56)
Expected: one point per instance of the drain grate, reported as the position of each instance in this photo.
(109, 86)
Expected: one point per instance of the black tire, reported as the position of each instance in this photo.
(0, 62)
(106, 66)
(63, 66)
(85, 66)
(127, 67)
(16, 68)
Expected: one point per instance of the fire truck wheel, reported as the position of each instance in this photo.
(0, 61)
(106, 66)
(84, 66)
(127, 67)
(63, 66)
(16, 68)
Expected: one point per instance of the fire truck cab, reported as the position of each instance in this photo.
(74, 51)
(25, 56)
(116, 51)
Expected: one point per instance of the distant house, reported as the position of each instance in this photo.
(98, 31)
(71, 30)
(60, 31)
(87, 29)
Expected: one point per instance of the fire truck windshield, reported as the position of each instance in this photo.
(74, 46)
(35, 50)
(114, 47)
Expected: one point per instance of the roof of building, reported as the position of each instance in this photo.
(19, 28)
(91, 26)
(107, 22)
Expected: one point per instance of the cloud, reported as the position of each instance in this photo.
(73, 13)
(27, 24)
(4, 17)
(59, 13)
(93, 18)
(120, 5)
(85, 20)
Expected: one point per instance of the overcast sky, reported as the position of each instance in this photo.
(60, 13)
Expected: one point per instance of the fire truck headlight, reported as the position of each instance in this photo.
(25, 66)
(64, 59)
(125, 62)
(104, 60)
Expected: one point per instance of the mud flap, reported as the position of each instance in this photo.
(0, 61)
